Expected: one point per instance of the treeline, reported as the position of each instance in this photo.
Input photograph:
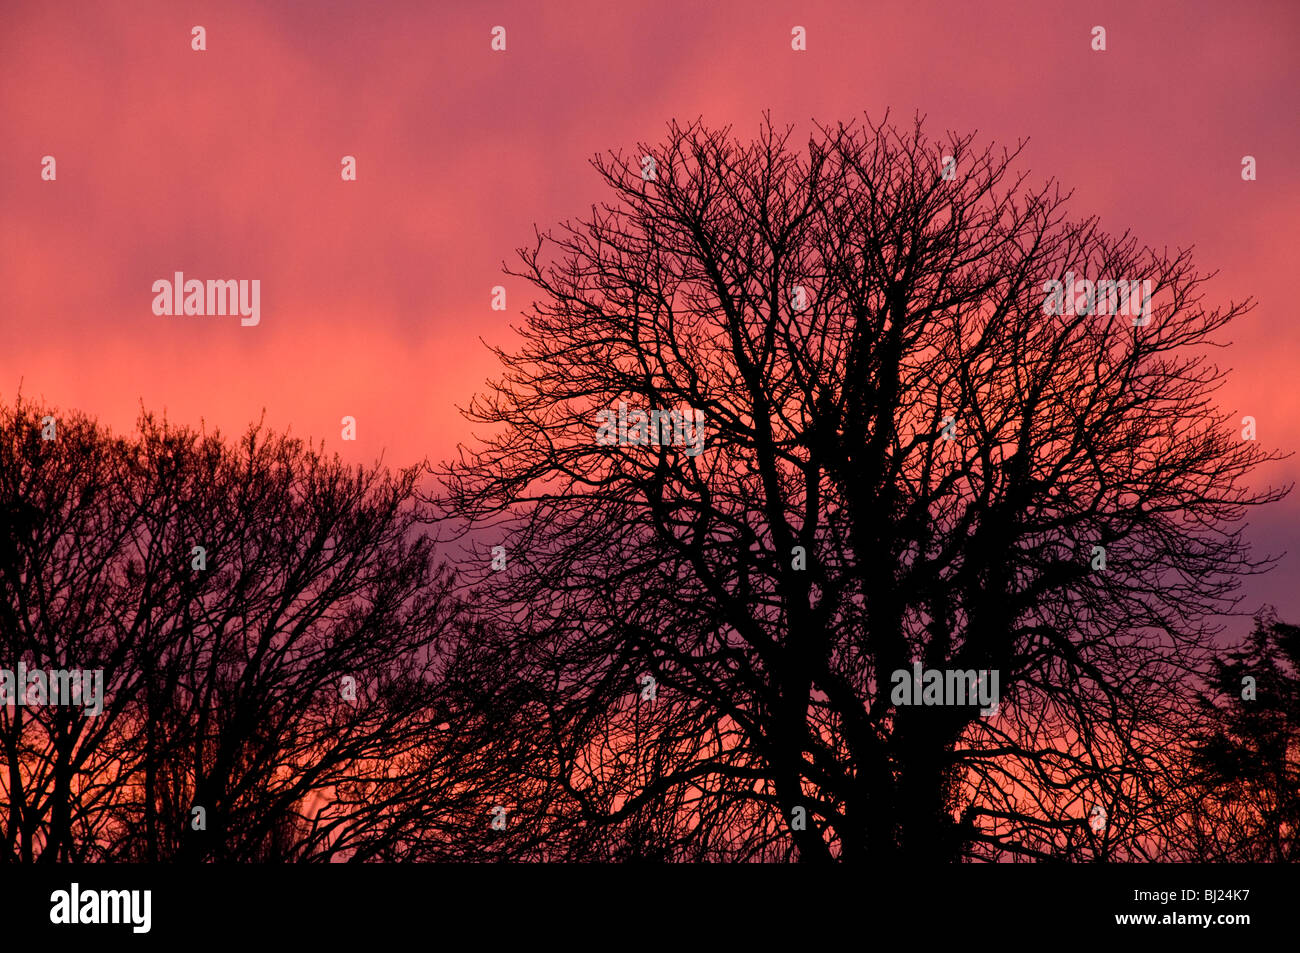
(291, 675)
(272, 635)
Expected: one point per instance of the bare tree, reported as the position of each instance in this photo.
(914, 455)
(271, 627)
(67, 532)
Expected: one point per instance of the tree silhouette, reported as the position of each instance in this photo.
(224, 669)
(909, 457)
(783, 429)
(1244, 764)
(58, 604)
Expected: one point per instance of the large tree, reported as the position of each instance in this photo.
(910, 456)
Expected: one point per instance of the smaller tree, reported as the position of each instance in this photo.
(1247, 761)
(270, 626)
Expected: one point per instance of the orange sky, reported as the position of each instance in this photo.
(225, 164)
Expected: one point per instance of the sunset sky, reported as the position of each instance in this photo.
(375, 293)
